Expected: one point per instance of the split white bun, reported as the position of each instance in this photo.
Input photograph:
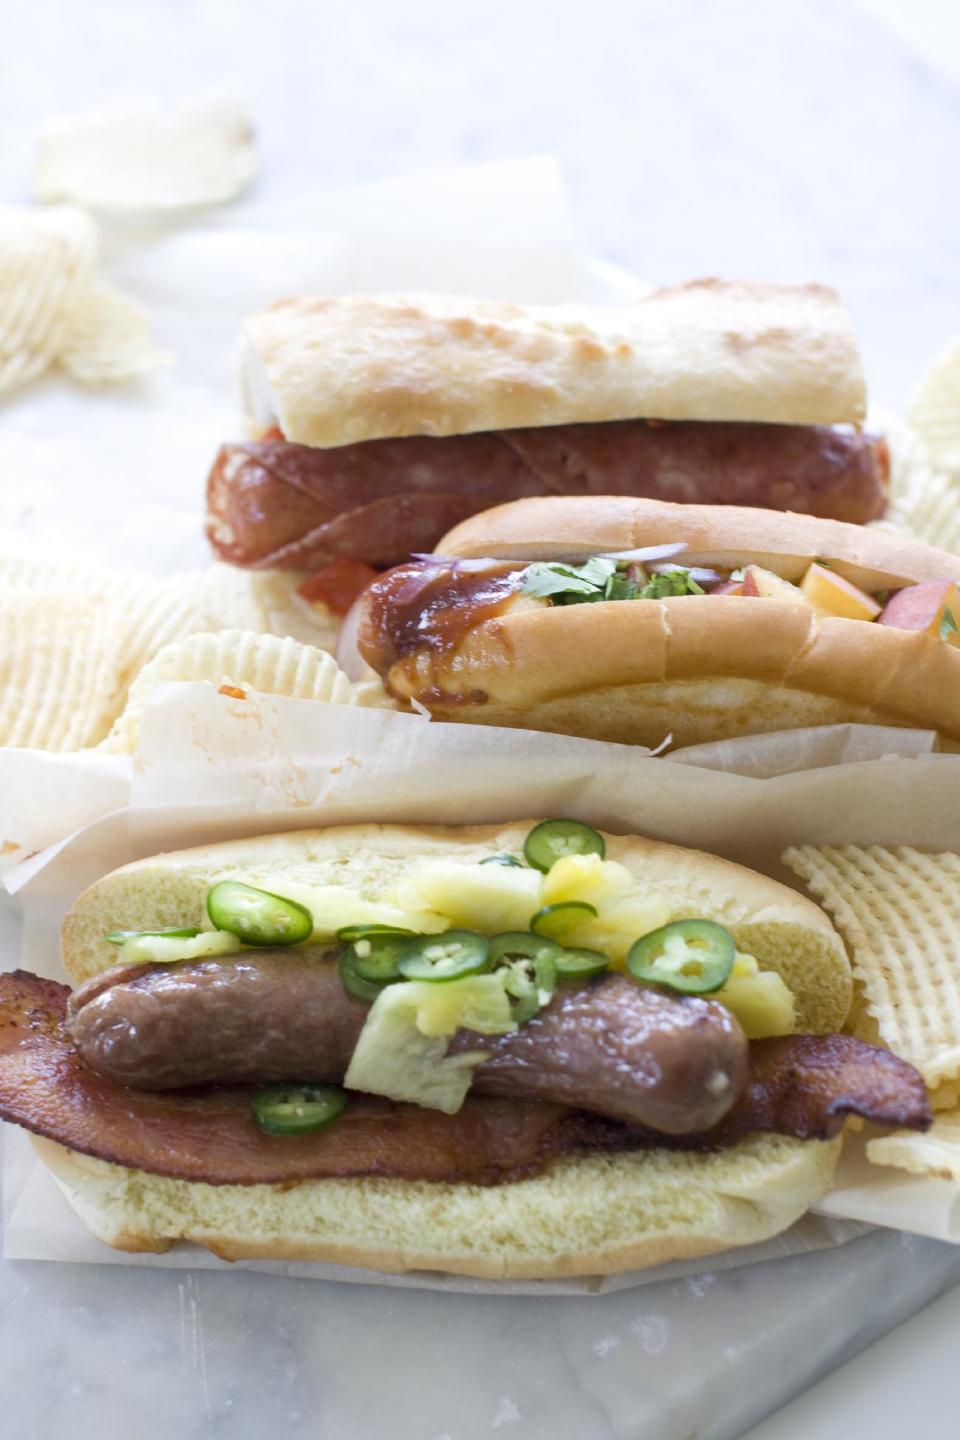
(698, 668)
(333, 370)
(585, 1215)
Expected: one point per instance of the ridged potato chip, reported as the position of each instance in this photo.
(144, 156)
(239, 660)
(935, 1153)
(60, 665)
(899, 912)
(46, 264)
(109, 339)
(934, 409)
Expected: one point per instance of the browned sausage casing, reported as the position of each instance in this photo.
(672, 1064)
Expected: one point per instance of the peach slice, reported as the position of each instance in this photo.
(757, 581)
(832, 595)
(933, 607)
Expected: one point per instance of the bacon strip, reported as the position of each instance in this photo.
(800, 1085)
(272, 503)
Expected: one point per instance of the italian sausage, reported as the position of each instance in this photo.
(672, 1064)
(273, 503)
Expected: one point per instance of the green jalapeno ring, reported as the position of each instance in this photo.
(581, 964)
(552, 840)
(354, 983)
(258, 917)
(451, 955)
(376, 958)
(296, 1109)
(531, 991)
(553, 921)
(523, 945)
(510, 860)
(120, 937)
(694, 957)
(349, 933)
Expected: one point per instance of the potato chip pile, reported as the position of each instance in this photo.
(899, 912)
(54, 310)
(74, 639)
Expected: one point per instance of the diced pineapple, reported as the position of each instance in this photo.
(477, 1002)
(334, 906)
(478, 897)
(585, 877)
(619, 923)
(761, 1000)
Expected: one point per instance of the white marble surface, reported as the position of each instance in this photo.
(801, 139)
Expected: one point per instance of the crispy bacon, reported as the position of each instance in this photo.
(800, 1085)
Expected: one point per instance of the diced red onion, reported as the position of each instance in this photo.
(649, 552)
(347, 655)
(699, 573)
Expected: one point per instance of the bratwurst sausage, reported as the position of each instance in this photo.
(671, 1064)
(273, 503)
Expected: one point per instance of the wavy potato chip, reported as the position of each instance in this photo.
(47, 259)
(935, 1153)
(144, 156)
(934, 410)
(899, 912)
(60, 665)
(238, 660)
(109, 339)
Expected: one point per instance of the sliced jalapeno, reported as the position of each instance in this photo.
(522, 945)
(551, 840)
(353, 982)
(503, 860)
(555, 920)
(120, 937)
(449, 956)
(377, 957)
(531, 982)
(349, 933)
(296, 1109)
(258, 917)
(580, 964)
(692, 956)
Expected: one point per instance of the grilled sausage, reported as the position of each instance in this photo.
(671, 1064)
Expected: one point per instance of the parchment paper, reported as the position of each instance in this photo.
(213, 767)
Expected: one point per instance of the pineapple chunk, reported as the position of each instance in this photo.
(478, 897)
(761, 1000)
(619, 924)
(585, 877)
(334, 906)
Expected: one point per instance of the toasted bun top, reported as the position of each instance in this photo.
(334, 370)
(786, 931)
(552, 527)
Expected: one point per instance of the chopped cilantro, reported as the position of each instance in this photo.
(600, 579)
(948, 625)
(675, 582)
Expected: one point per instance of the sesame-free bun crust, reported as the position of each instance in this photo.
(699, 668)
(786, 931)
(335, 370)
(584, 1215)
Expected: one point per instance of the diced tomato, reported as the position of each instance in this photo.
(338, 584)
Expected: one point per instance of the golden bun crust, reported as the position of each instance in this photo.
(336, 370)
(786, 931)
(585, 1215)
(552, 527)
(697, 668)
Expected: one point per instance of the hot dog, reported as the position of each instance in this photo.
(590, 1080)
(632, 620)
(383, 422)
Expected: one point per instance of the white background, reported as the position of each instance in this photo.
(801, 139)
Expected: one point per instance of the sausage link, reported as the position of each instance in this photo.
(611, 1046)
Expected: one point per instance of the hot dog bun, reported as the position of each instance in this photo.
(696, 667)
(784, 930)
(335, 370)
(589, 1214)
